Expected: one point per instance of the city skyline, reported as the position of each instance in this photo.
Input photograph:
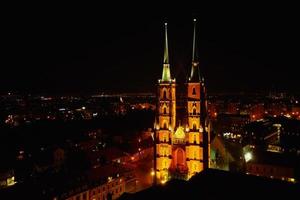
(66, 53)
(137, 104)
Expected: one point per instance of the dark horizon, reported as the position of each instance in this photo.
(239, 50)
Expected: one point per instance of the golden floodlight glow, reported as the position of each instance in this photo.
(291, 180)
(11, 181)
(179, 133)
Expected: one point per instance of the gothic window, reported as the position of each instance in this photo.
(194, 126)
(194, 111)
(165, 94)
(165, 138)
(195, 139)
(194, 91)
(165, 125)
(165, 110)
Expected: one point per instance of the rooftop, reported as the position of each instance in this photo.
(216, 184)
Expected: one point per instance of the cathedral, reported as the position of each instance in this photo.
(181, 137)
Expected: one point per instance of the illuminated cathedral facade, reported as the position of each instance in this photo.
(181, 141)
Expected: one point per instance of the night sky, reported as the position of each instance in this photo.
(245, 49)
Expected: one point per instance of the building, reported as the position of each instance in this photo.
(220, 157)
(7, 178)
(273, 165)
(230, 126)
(112, 189)
(181, 125)
(106, 182)
(278, 134)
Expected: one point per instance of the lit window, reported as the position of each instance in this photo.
(194, 126)
(165, 125)
(291, 180)
(194, 91)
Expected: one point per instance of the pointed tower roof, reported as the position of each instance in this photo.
(195, 72)
(166, 49)
(166, 75)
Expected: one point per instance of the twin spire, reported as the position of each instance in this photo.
(195, 72)
(194, 59)
(166, 51)
(166, 75)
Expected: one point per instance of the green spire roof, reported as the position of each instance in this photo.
(166, 50)
(166, 75)
(195, 72)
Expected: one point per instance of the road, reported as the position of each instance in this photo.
(143, 176)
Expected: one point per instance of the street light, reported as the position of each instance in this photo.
(248, 156)
(152, 172)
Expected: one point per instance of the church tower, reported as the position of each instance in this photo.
(194, 149)
(166, 117)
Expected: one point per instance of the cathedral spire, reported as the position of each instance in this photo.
(195, 72)
(166, 75)
(194, 42)
(166, 50)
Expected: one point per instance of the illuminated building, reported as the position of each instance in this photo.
(113, 188)
(182, 142)
(7, 178)
(106, 182)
